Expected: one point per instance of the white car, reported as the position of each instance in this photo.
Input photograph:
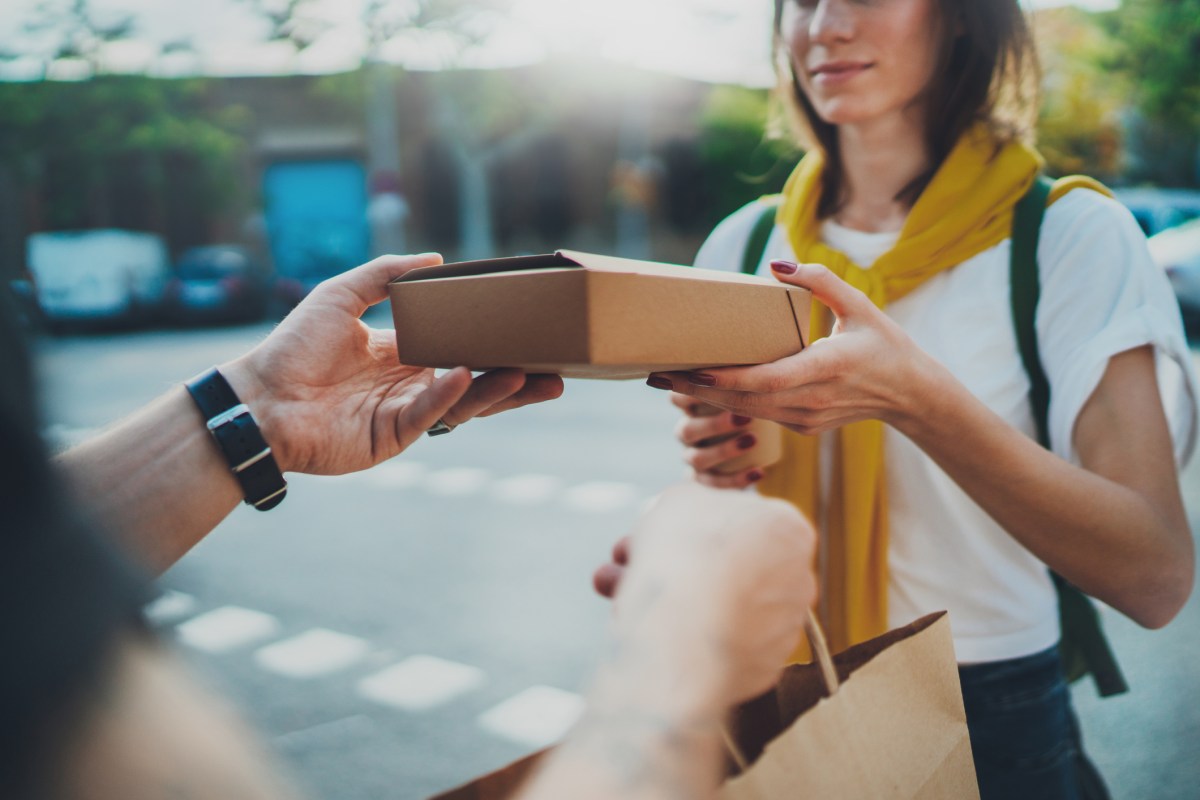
(98, 275)
(1177, 251)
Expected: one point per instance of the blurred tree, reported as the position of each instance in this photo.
(72, 29)
(1160, 45)
(738, 160)
(119, 150)
(1159, 49)
(446, 27)
(127, 151)
(1080, 120)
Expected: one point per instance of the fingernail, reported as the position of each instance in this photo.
(754, 476)
(702, 379)
(784, 267)
(659, 382)
(740, 420)
(746, 442)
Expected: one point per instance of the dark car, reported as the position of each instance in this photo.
(217, 283)
(1157, 210)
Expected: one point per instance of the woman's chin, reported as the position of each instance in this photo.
(844, 113)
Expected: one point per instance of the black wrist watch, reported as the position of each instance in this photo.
(236, 433)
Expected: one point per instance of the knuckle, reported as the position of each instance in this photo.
(776, 382)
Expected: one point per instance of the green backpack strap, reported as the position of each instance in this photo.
(760, 235)
(1084, 647)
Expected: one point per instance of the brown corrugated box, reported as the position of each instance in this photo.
(589, 316)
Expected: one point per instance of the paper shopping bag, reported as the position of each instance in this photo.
(884, 722)
(892, 728)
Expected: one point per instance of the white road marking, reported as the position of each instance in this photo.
(226, 628)
(315, 652)
(457, 482)
(537, 717)
(168, 608)
(420, 683)
(599, 496)
(526, 490)
(396, 475)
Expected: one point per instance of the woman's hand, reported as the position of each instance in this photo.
(722, 449)
(331, 395)
(867, 368)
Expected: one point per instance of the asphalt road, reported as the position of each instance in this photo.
(397, 632)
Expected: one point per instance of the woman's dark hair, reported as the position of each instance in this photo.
(987, 72)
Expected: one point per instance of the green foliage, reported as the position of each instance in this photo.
(740, 162)
(1079, 125)
(1160, 48)
(84, 138)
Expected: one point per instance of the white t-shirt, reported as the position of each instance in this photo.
(1101, 295)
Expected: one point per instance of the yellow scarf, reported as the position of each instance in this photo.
(967, 208)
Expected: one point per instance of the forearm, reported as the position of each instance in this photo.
(1119, 537)
(628, 746)
(150, 732)
(156, 480)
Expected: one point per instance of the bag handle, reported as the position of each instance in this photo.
(816, 639)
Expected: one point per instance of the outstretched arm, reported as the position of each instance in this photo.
(1114, 525)
(329, 395)
(712, 590)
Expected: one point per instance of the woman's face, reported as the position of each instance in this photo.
(860, 61)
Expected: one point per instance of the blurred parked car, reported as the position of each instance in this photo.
(99, 276)
(1157, 210)
(24, 298)
(217, 283)
(1177, 250)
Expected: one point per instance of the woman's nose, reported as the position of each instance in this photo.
(831, 21)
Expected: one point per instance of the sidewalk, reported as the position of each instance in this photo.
(1147, 742)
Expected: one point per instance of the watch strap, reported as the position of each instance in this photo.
(239, 439)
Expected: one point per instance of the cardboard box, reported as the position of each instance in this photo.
(589, 316)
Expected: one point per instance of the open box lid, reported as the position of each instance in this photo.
(573, 260)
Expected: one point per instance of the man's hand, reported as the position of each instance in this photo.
(331, 395)
(713, 590)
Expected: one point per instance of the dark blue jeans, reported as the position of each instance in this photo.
(1024, 733)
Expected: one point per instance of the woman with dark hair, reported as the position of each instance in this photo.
(910, 435)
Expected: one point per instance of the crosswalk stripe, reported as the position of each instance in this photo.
(226, 628)
(170, 607)
(315, 652)
(537, 717)
(599, 496)
(456, 481)
(526, 490)
(420, 683)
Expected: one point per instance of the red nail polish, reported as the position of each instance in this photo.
(754, 476)
(740, 420)
(702, 379)
(784, 267)
(746, 442)
(659, 382)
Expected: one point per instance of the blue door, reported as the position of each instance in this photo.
(316, 214)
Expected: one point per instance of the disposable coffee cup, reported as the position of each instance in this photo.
(767, 451)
